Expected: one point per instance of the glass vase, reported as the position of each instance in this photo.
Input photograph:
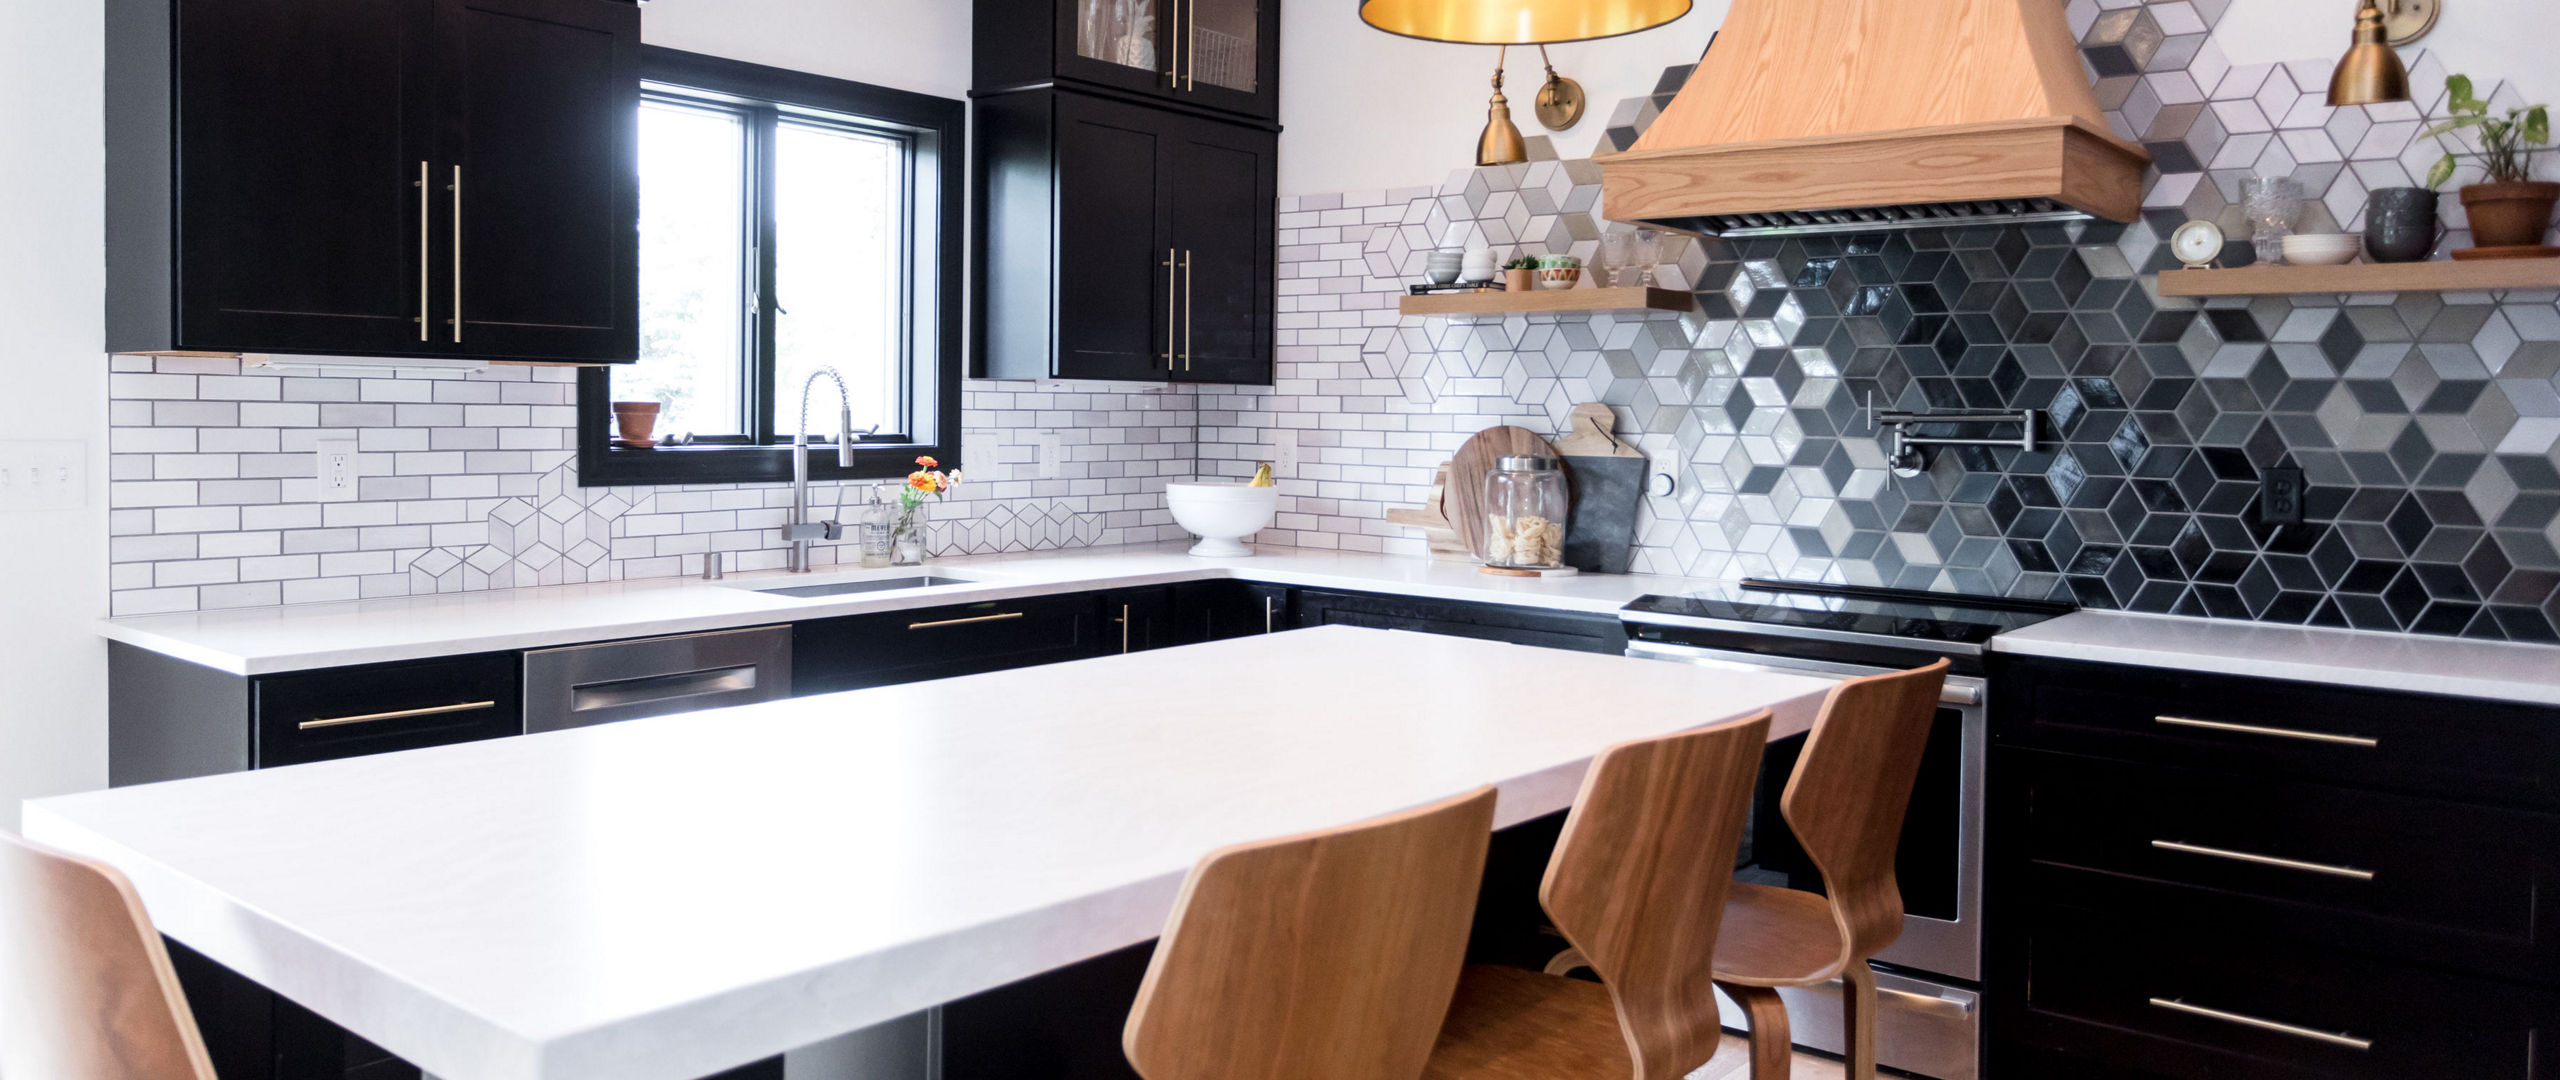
(910, 535)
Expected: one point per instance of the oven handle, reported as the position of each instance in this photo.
(1959, 690)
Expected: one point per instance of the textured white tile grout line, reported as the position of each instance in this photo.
(468, 481)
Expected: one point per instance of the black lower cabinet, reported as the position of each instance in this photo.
(1593, 633)
(1218, 610)
(859, 651)
(1136, 620)
(2211, 877)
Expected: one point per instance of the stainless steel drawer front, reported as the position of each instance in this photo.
(628, 680)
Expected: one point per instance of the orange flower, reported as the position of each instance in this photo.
(928, 462)
(922, 481)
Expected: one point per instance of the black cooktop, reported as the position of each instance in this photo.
(1806, 609)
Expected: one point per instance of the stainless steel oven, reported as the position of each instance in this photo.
(1929, 979)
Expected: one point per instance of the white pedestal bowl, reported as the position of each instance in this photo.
(1222, 515)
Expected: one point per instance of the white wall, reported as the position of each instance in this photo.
(1366, 110)
(53, 564)
(919, 45)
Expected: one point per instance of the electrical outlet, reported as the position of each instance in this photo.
(1053, 454)
(337, 467)
(2280, 494)
(49, 474)
(1284, 452)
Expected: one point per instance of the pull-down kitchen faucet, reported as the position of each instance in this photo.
(800, 530)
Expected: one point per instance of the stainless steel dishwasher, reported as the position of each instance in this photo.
(626, 680)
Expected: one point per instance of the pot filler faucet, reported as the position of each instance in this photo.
(800, 531)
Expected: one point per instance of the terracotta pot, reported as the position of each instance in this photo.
(636, 420)
(2509, 215)
(1519, 280)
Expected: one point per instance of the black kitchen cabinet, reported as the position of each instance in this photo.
(400, 178)
(1221, 55)
(1593, 633)
(1218, 610)
(858, 651)
(1122, 241)
(1136, 620)
(2197, 875)
(169, 719)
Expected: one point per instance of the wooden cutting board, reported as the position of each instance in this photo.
(1464, 501)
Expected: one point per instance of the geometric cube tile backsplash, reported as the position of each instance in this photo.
(2427, 426)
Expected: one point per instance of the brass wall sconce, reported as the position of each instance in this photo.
(2371, 73)
(1561, 101)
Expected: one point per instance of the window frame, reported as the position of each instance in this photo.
(938, 128)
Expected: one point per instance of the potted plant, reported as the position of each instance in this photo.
(908, 530)
(2508, 209)
(1520, 275)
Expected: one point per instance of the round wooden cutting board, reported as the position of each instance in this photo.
(1463, 502)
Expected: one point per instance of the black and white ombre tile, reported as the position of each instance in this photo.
(2427, 426)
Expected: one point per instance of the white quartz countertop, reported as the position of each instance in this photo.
(2415, 663)
(262, 641)
(662, 899)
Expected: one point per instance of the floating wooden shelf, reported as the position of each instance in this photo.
(2365, 278)
(1548, 300)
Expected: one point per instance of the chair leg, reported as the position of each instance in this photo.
(1858, 1021)
(1772, 1047)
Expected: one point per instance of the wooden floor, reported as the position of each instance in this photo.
(1733, 1062)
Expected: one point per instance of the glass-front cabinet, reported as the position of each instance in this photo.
(1215, 54)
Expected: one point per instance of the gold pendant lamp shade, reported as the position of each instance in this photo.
(1518, 22)
(2370, 73)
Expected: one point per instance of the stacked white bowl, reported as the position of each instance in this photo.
(1222, 514)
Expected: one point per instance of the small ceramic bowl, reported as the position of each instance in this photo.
(2322, 249)
(1559, 277)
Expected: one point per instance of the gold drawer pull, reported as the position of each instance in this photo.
(964, 622)
(2331, 1037)
(2264, 860)
(2277, 732)
(403, 714)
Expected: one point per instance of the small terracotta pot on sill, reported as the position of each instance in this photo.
(1519, 280)
(637, 421)
(2509, 215)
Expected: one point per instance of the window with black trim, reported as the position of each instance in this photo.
(789, 223)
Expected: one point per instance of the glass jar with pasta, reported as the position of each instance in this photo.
(1524, 507)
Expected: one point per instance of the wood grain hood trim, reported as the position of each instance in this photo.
(1816, 105)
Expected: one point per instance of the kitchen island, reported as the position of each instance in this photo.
(666, 898)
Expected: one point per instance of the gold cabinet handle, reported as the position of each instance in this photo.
(457, 254)
(402, 714)
(1123, 620)
(2272, 732)
(1191, 66)
(1270, 613)
(1171, 287)
(423, 196)
(1173, 41)
(2264, 860)
(964, 622)
(2332, 1038)
(1186, 309)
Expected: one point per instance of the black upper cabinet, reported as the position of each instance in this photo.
(1123, 241)
(309, 176)
(1211, 54)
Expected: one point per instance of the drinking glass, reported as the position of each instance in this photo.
(1648, 254)
(2273, 204)
(1617, 253)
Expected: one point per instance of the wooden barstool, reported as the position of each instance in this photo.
(86, 991)
(1637, 884)
(1845, 803)
(1327, 956)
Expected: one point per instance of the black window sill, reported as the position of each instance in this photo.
(704, 464)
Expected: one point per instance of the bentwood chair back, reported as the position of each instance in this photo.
(1326, 956)
(1638, 881)
(86, 991)
(1850, 791)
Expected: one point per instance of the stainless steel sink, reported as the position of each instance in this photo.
(865, 585)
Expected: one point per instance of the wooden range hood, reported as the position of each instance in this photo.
(1855, 115)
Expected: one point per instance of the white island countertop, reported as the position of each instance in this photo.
(662, 899)
(2414, 663)
(265, 641)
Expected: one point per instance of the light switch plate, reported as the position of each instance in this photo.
(1284, 452)
(44, 474)
(978, 455)
(1053, 453)
(337, 470)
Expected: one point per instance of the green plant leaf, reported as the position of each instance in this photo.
(2442, 172)
(2451, 126)
(2537, 126)
(2458, 90)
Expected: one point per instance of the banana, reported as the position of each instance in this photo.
(1262, 476)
